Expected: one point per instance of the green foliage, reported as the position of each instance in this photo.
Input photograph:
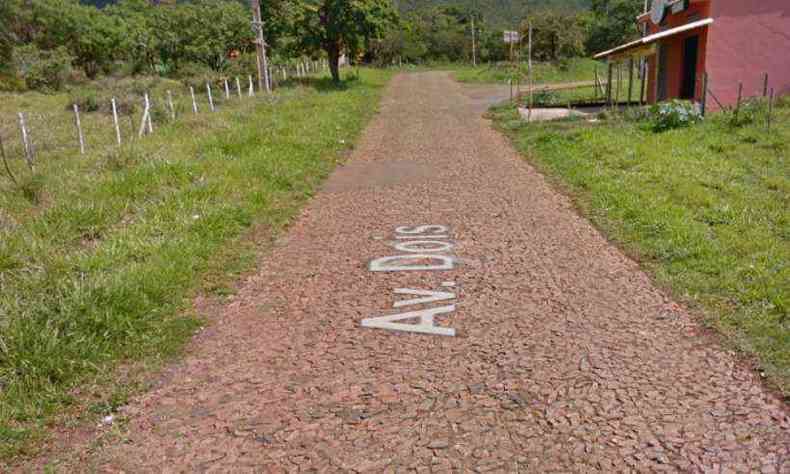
(495, 14)
(337, 25)
(674, 114)
(556, 34)
(749, 111)
(43, 70)
(612, 23)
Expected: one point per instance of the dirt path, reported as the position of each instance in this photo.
(565, 356)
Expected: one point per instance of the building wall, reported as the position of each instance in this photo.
(674, 45)
(747, 40)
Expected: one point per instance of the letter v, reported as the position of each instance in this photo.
(425, 326)
(428, 296)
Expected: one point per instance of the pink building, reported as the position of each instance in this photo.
(733, 41)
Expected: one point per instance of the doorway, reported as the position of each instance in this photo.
(690, 56)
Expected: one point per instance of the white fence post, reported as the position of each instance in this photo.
(80, 136)
(194, 102)
(144, 118)
(170, 104)
(115, 121)
(148, 107)
(210, 99)
(26, 141)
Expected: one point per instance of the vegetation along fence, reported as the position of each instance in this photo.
(90, 124)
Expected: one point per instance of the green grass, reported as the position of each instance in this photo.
(706, 210)
(101, 255)
(573, 70)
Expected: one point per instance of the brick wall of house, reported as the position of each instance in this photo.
(748, 39)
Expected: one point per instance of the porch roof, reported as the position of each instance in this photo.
(646, 40)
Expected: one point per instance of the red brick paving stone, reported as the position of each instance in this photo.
(567, 358)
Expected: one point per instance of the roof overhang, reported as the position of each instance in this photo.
(638, 45)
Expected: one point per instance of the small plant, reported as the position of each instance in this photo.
(674, 114)
(87, 100)
(545, 97)
(747, 113)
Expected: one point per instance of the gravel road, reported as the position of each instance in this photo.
(566, 356)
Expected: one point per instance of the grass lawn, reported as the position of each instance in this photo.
(101, 254)
(705, 209)
(573, 70)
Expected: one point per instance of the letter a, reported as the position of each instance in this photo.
(425, 326)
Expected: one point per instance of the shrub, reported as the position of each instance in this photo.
(87, 100)
(43, 70)
(674, 114)
(748, 113)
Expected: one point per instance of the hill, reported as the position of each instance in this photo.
(499, 13)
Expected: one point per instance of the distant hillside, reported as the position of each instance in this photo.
(500, 13)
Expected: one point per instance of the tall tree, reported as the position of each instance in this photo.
(335, 26)
(613, 23)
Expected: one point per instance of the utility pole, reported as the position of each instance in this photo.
(474, 53)
(260, 46)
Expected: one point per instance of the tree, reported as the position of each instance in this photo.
(335, 26)
(613, 23)
(555, 34)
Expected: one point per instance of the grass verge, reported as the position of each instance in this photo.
(100, 255)
(705, 209)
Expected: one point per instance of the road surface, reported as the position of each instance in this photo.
(565, 357)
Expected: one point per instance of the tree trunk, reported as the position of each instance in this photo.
(333, 51)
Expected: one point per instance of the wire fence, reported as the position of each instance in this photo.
(28, 136)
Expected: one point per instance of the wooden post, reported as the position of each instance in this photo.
(619, 82)
(740, 97)
(77, 122)
(630, 79)
(643, 85)
(115, 121)
(26, 142)
(251, 93)
(474, 53)
(596, 82)
(765, 85)
(227, 90)
(238, 87)
(210, 98)
(530, 75)
(194, 102)
(770, 108)
(609, 84)
(704, 105)
(148, 108)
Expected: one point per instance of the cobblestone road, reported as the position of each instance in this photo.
(566, 357)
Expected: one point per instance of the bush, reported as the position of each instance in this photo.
(747, 113)
(87, 100)
(674, 114)
(43, 70)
